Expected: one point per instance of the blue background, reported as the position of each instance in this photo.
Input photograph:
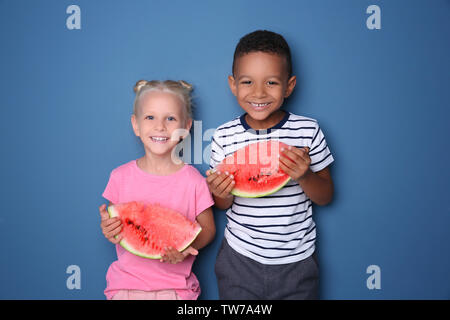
(381, 97)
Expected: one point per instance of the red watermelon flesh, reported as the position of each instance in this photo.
(256, 169)
(148, 229)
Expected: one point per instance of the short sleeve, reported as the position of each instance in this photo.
(111, 192)
(319, 152)
(217, 154)
(203, 197)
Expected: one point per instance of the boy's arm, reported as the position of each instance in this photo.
(223, 203)
(220, 184)
(318, 186)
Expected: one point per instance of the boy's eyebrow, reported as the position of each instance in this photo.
(246, 76)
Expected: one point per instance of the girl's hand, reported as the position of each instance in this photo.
(174, 256)
(295, 162)
(111, 227)
(220, 183)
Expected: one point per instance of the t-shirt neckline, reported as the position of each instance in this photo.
(268, 130)
(159, 176)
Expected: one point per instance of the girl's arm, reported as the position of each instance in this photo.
(111, 227)
(206, 221)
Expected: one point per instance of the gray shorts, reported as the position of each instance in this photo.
(242, 278)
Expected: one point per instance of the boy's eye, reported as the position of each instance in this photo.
(149, 117)
(272, 83)
(170, 118)
(246, 82)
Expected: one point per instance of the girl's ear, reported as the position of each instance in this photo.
(135, 125)
(188, 124)
(290, 86)
(232, 84)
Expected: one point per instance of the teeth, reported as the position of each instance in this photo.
(259, 104)
(159, 138)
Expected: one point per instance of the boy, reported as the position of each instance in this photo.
(268, 248)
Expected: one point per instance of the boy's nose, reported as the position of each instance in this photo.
(259, 91)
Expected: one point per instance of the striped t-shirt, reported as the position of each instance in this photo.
(278, 228)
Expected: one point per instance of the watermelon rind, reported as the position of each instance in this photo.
(247, 194)
(127, 246)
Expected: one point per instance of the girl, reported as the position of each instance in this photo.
(161, 118)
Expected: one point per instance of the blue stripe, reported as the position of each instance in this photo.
(260, 255)
(318, 130)
(249, 226)
(317, 145)
(316, 163)
(315, 153)
(232, 126)
(253, 244)
(272, 216)
(270, 206)
(268, 132)
(268, 138)
(284, 195)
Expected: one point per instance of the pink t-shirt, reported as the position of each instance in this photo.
(185, 191)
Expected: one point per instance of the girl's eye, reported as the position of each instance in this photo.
(171, 118)
(149, 117)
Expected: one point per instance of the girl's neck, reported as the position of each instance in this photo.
(159, 165)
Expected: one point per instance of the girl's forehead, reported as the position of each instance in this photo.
(161, 101)
(157, 98)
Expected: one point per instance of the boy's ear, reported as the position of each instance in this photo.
(232, 84)
(135, 125)
(290, 86)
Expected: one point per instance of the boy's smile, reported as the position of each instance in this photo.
(260, 84)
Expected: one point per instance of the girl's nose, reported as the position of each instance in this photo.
(160, 126)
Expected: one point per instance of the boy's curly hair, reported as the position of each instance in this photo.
(264, 41)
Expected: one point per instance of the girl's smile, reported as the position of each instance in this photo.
(159, 139)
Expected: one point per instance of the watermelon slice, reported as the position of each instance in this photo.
(149, 228)
(256, 169)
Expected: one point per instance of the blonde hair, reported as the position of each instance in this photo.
(181, 89)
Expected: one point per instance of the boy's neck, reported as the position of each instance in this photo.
(271, 121)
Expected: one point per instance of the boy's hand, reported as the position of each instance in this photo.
(295, 162)
(174, 256)
(220, 183)
(111, 227)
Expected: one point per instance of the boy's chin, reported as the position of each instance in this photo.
(261, 115)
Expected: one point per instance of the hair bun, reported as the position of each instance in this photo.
(186, 85)
(138, 86)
